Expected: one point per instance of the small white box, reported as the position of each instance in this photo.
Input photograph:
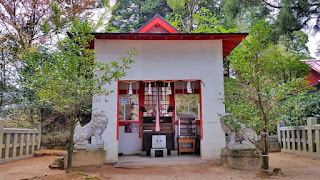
(159, 141)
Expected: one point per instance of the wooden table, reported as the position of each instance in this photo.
(191, 140)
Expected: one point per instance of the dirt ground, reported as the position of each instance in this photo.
(293, 167)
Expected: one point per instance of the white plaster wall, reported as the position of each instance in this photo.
(129, 143)
(160, 59)
(107, 106)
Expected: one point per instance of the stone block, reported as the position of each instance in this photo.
(142, 153)
(153, 152)
(174, 152)
(90, 157)
(241, 159)
(274, 147)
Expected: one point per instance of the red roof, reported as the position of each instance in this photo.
(314, 64)
(159, 29)
(158, 23)
(314, 78)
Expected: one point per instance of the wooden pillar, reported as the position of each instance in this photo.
(14, 145)
(7, 145)
(37, 125)
(293, 140)
(141, 104)
(22, 144)
(28, 144)
(298, 140)
(310, 122)
(304, 141)
(284, 139)
(317, 141)
(288, 139)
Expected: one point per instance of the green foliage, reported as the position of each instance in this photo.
(206, 22)
(73, 77)
(270, 76)
(129, 15)
(271, 73)
(300, 106)
(244, 110)
(69, 81)
(55, 140)
(187, 103)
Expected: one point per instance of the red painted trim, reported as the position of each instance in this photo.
(141, 104)
(123, 123)
(165, 80)
(201, 120)
(151, 21)
(126, 91)
(198, 122)
(159, 21)
(173, 104)
(118, 110)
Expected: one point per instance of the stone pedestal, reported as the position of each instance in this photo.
(90, 157)
(245, 159)
(153, 152)
(82, 146)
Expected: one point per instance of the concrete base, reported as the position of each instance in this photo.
(90, 157)
(134, 162)
(164, 152)
(174, 152)
(143, 153)
(241, 159)
(84, 146)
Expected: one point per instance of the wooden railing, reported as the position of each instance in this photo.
(18, 143)
(301, 139)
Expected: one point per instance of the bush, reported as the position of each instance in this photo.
(55, 140)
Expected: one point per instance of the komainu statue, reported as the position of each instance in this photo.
(244, 138)
(93, 130)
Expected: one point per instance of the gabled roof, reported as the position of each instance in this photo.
(158, 28)
(157, 22)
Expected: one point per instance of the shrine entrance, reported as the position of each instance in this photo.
(159, 117)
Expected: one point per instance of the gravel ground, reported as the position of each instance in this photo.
(293, 167)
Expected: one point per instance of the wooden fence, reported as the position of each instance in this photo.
(301, 139)
(18, 143)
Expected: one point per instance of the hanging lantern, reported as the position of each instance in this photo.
(130, 89)
(189, 90)
(169, 91)
(149, 89)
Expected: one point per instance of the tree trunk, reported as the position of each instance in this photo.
(263, 135)
(70, 145)
(264, 152)
(3, 80)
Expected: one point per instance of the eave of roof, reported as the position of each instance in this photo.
(229, 40)
(313, 64)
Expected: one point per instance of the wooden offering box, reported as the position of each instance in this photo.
(148, 129)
